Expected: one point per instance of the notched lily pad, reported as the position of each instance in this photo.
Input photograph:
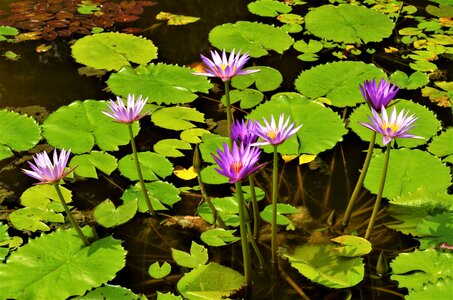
(173, 19)
(352, 246)
(268, 8)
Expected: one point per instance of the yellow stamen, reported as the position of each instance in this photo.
(236, 166)
(271, 134)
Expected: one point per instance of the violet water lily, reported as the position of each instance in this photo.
(51, 172)
(378, 95)
(128, 115)
(244, 131)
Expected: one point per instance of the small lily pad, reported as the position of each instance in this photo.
(160, 193)
(33, 218)
(173, 19)
(218, 237)
(157, 271)
(268, 8)
(170, 147)
(108, 216)
(88, 163)
(282, 210)
(267, 79)
(414, 81)
(352, 246)
(152, 166)
(198, 256)
(177, 117)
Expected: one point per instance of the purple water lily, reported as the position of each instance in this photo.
(129, 114)
(273, 134)
(396, 127)
(225, 67)
(378, 95)
(237, 163)
(47, 172)
(244, 132)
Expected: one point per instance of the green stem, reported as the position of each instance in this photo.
(274, 211)
(255, 247)
(70, 216)
(215, 214)
(359, 184)
(379, 195)
(256, 212)
(243, 231)
(228, 109)
(139, 171)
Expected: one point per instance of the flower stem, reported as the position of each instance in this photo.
(243, 231)
(359, 184)
(274, 211)
(255, 247)
(379, 195)
(139, 171)
(215, 214)
(256, 212)
(228, 109)
(70, 216)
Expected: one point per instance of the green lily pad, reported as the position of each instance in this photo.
(173, 19)
(282, 209)
(88, 163)
(338, 81)
(408, 170)
(351, 246)
(268, 8)
(254, 38)
(267, 79)
(321, 130)
(414, 270)
(442, 289)
(226, 207)
(414, 81)
(169, 147)
(292, 20)
(193, 135)
(60, 257)
(434, 230)
(160, 83)
(113, 50)
(168, 296)
(426, 125)
(108, 216)
(157, 271)
(442, 145)
(318, 263)
(159, 192)
(7, 30)
(198, 256)
(152, 165)
(17, 133)
(211, 281)
(210, 176)
(177, 117)
(348, 23)
(80, 125)
(217, 237)
(211, 142)
(249, 98)
(45, 196)
(33, 218)
(109, 292)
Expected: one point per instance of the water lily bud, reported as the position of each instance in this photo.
(197, 161)
(382, 266)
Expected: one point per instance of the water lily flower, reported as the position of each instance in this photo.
(378, 95)
(396, 127)
(273, 134)
(129, 114)
(244, 132)
(237, 163)
(47, 172)
(225, 67)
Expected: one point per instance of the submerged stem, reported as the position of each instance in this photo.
(70, 216)
(359, 184)
(379, 195)
(274, 211)
(228, 109)
(243, 231)
(256, 211)
(139, 171)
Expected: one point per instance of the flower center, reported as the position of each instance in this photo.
(392, 127)
(236, 166)
(271, 134)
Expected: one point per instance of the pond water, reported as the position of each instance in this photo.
(39, 83)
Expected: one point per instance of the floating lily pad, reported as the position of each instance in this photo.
(321, 130)
(108, 216)
(17, 133)
(113, 50)
(109, 292)
(88, 163)
(80, 125)
(211, 281)
(226, 207)
(348, 23)
(338, 81)
(408, 171)
(60, 257)
(268, 8)
(211, 142)
(442, 145)
(198, 256)
(319, 264)
(218, 237)
(8, 31)
(34, 218)
(249, 98)
(267, 79)
(193, 135)
(157, 271)
(159, 192)
(440, 290)
(426, 125)
(173, 19)
(414, 81)
(168, 296)
(160, 83)
(351, 246)
(45, 196)
(414, 270)
(170, 147)
(282, 209)
(151, 164)
(254, 38)
(177, 117)
(210, 176)
(434, 230)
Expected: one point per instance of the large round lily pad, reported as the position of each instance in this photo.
(348, 23)
(254, 38)
(159, 83)
(113, 50)
(338, 81)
